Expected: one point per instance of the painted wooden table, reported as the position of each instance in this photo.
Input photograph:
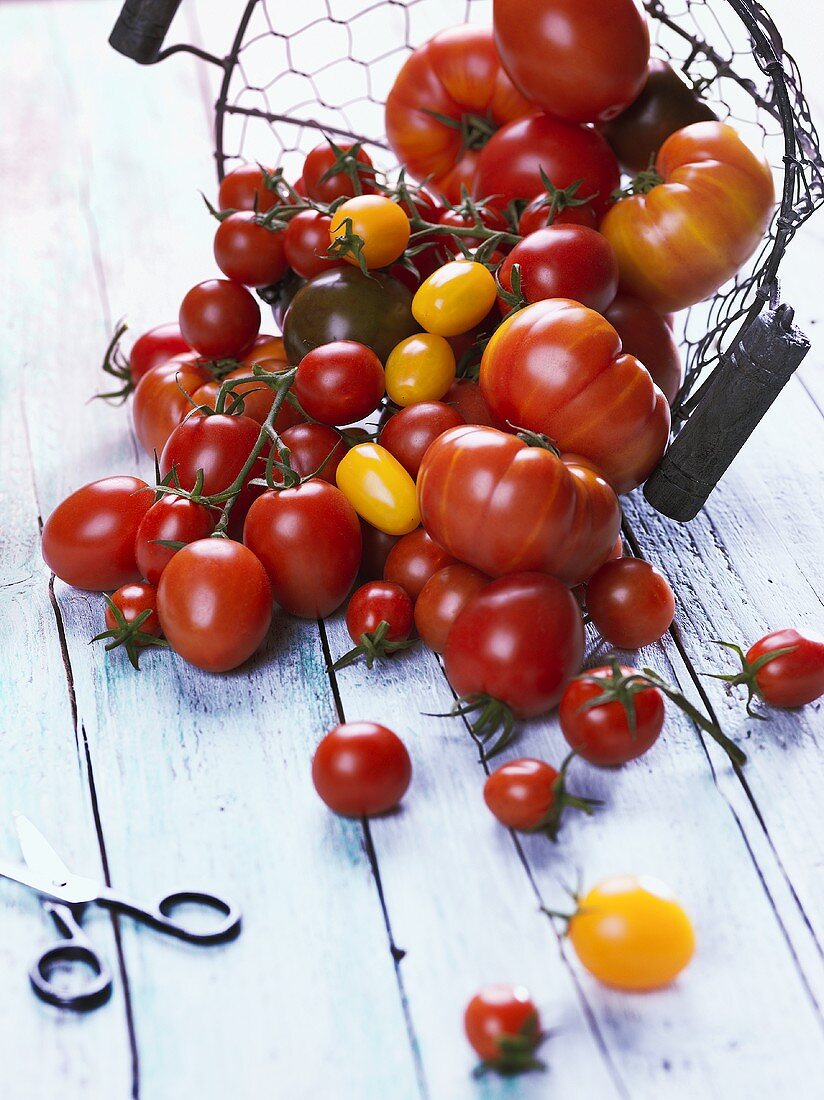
(361, 943)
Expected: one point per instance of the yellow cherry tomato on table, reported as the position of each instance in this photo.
(631, 933)
(420, 368)
(455, 298)
(379, 489)
(381, 225)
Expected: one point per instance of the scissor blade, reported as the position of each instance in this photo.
(26, 876)
(39, 854)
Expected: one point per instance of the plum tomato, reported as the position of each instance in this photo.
(785, 668)
(339, 383)
(306, 241)
(503, 1028)
(563, 261)
(218, 444)
(249, 253)
(413, 560)
(313, 449)
(408, 433)
(531, 796)
(361, 769)
(379, 489)
(610, 715)
(170, 519)
(245, 189)
(332, 172)
(219, 318)
(630, 603)
(162, 399)
(378, 227)
(442, 599)
(454, 298)
(158, 345)
(420, 368)
(648, 336)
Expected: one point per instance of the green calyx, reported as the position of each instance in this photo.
(550, 823)
(128, 634)
(516, 1052)
(557, 199)
(490, 721)
(373, 647)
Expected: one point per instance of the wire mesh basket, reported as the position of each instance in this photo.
(296, 71)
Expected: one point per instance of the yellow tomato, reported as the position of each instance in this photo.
(631, 933)
(420, 368)
(379, 222)
(379, 489)
(455, 298)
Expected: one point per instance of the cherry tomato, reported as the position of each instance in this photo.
(154, 347)
(88, 540)
(413, 560)
(381, 225)
(503, 1027)
(309, 541)
(330, 173)
(630, 603)
(631, 933)
(131, 600)
(538, 214)
(455, 298)
(518, 641)
(463, 218)
(218, 318)
(442, 599)
(170, 519)
(219, 445)
(376, 547)
(408, 433)
(466, 398)
(244, 189)
(339, 383)
(564, 261)
(530, 796)
(264, 349)
(160, 401)
(378, 601)
(248, 252)
(379, 489)
(786, 668)
(314, 449)
(420, 368)
(603, 733)
(305, 242)
(648, 336)
(361, 769)
(214, 603)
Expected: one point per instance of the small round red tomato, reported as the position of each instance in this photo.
(442, 599)
(648, 336)
(518, 641)
(607, 733)
(564, 261)
(170, 519)
(361, 769)
(630, 603)
(503, 1027)
(309, 541)
(132, 600)
(541, 212)
(376, 547)
(160, 401)
(219, 318)
(154, 347)
(465, 397)
(530, 796)
(215, 603)
(786, 668)
(339, 383)
(314, 449)
(248, 252)
(244, 189)
(376, 602)
(413, 560)
(88, 540)
(331, 173)
(219, 445)
(408, 433)
(306, 241)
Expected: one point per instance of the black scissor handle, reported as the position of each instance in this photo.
(74, 951)
(161, 917)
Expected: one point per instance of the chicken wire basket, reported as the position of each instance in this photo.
(295, 72)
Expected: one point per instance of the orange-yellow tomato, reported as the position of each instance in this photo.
(379, 489)
(631, 933)
(455, 298)
(381, 225)
(420, 368)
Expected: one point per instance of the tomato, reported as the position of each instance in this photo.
(244, 189)
(518, 641)
(248, 252)
(376, 547)
(420, 368)
(464, 395)
(557, 368)
(214, 603)
(504, 507)
(345, 304)
(331, 172)
(503, 1027)
(309, 541)
(531, 796)
(380, 224)
(462, 217)
(666, 104)
(541, 212)
(442, 599)
(413, 560)
(258, 398)
(219, 445)
(154, 347)
(218, 318)
(88, 540)
(698, 217)
(361, 769)
(313, 449)
(455, 298)
(408, 433)
(170, 519)
(456, 75)
(305, 243)
(160, 401)
(630, 933)
(647, 335)
(132, 600)
(622, 727)
(510, 166)
(264, 349)
(563, 261)
(786, 668)
(379, 489)
(376, 602)
(630, 603)
(340, 382)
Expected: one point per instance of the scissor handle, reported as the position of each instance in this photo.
(74, 950)
(160, 917)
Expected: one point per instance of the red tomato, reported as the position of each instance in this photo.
(413, 560)
(603, 734)
(248, 252)
(538, 214)
(170, 519)
(517, 641)
(376, 547)
(466, 398)
(214, 603)
(580, 61)
(648, 336)
(361, 769)
(408, 433)
(556, 368)
(305, 241)
(244, 189)
(376, 602)
(264, 349)
(160, 401)
(154, 347)
(88, 540)
(461, 218)
(219, 445)
(339, 383)
(531, 796)
(258, 398)
(309, 541)
(786, 668)
(328, 176)
(456, 75)
(442, 599)
(503, 1027)
(505, 507)
(220, 319)
(509, 166)
(564, 261)
(132, 600)
(314, 449)
(630, 603)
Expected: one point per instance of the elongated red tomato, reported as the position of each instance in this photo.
(170, 519)
(556, 368)
(504, 507)
(160, 401)
(219, 445)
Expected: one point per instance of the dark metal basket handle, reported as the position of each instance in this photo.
(141, 28)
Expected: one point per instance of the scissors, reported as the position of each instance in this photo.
(65, 897)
